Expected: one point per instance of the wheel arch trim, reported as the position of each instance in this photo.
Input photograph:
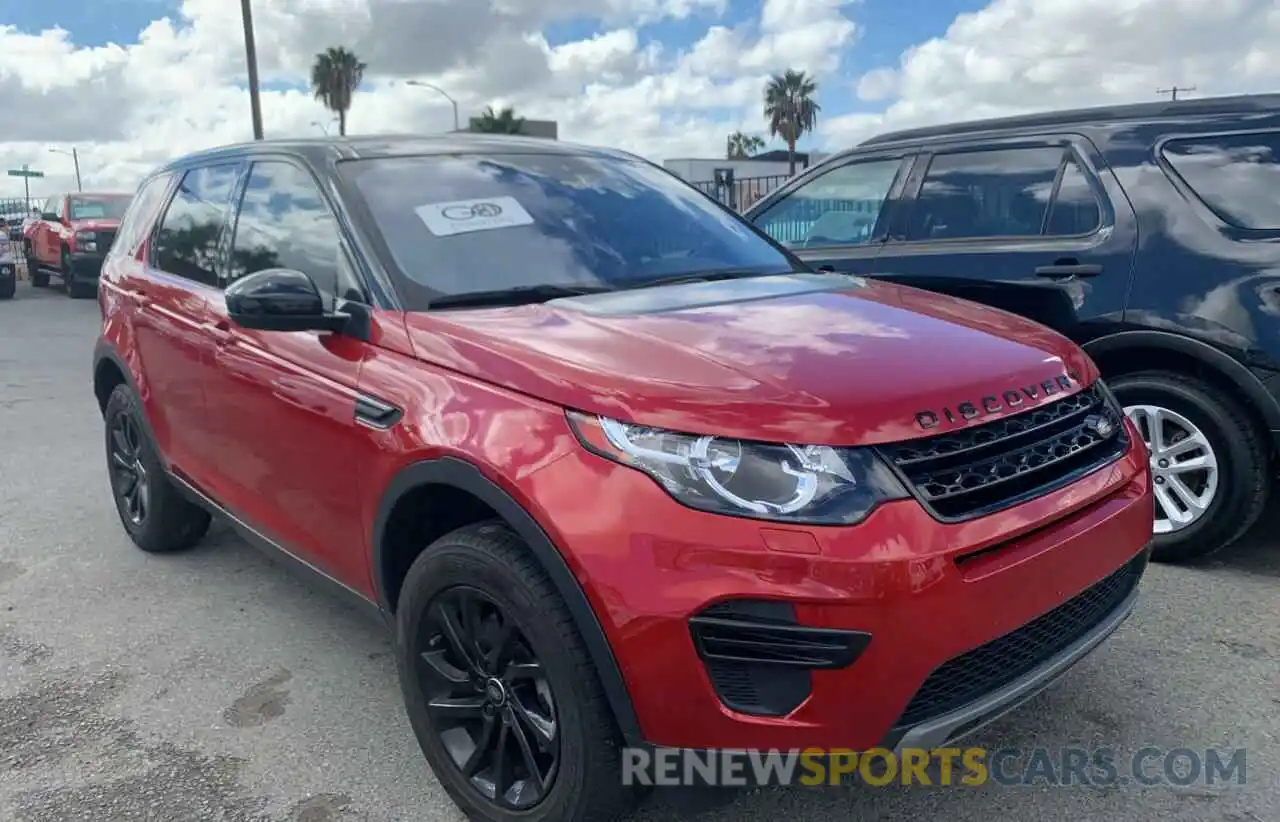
(465, 476)
(1262, 401)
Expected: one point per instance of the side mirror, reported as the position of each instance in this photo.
(49, 215)
(280, 299)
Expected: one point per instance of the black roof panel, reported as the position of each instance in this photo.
(1159, 110)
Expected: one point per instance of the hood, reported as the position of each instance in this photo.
(808, 358)
(103, 224)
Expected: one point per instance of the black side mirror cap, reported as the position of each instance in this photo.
(280, 299)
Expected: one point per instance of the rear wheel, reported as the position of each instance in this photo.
(39, 278)
(1208, 462)
(9, 287)
(155, 515)
(499, 687)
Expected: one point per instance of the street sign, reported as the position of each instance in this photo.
(26, 173)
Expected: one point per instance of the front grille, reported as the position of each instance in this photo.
(985, 468)
(990, 667)
(105, 239)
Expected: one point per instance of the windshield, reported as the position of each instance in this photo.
(98, 208)
(454, 225)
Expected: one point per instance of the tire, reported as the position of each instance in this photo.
(10, 288)
(168, 521)
(489, 563)
(39, 278)
(75, 290)
(1236, 443)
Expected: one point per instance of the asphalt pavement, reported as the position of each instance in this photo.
(214, 686)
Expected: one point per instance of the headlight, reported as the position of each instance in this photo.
(87, 240)
(814, 484)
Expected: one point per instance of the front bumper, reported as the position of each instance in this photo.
(927, 593)
(946, 729)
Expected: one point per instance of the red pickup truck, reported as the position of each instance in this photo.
(72, 237)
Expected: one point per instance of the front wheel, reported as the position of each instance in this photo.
(75, 289)
(499, 688)
(155, 515)
(1208, 462)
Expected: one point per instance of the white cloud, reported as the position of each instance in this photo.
(1023, 55)
(178, 85)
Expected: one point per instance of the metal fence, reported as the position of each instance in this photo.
(742, 193)
(14, 210)
(850, 220)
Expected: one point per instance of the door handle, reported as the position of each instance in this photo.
(1064, 269)
(221, 332)
(139, 298)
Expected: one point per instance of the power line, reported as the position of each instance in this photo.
(1173, 91)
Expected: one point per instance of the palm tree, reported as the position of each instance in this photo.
(742, 146)
(790, 108)
(498, 122)
(335, 76)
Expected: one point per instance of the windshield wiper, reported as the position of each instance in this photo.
(518, 295)
(703, 277)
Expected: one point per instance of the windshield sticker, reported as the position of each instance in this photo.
(465, 216)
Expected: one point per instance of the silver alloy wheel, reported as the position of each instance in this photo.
(1184, 466)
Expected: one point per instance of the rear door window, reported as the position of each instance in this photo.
(187, 242)
(1237, 176)
(982, 194)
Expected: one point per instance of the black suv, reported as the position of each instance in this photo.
(1149, 233)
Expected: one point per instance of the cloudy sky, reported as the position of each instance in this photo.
(130, 83)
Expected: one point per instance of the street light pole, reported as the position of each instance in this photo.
(75, 158)
(251, 57)
(443, 93)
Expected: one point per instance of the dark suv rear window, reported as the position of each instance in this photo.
(1237, 176)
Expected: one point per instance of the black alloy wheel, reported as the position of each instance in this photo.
(488, 699)
(129, 476)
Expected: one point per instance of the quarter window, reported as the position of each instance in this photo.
(839, 207)
(984, 194)
(187, 242)
(1237, 176)
(1075, 210)
(284, 222)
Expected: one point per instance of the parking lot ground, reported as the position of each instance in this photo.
(214, 686)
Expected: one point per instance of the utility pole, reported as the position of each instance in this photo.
(251, 57)
(75, 158)
(1172, 91)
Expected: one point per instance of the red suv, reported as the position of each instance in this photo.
(617, 468)
(72, 237)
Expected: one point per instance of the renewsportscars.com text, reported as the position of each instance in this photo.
(1096, 767)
